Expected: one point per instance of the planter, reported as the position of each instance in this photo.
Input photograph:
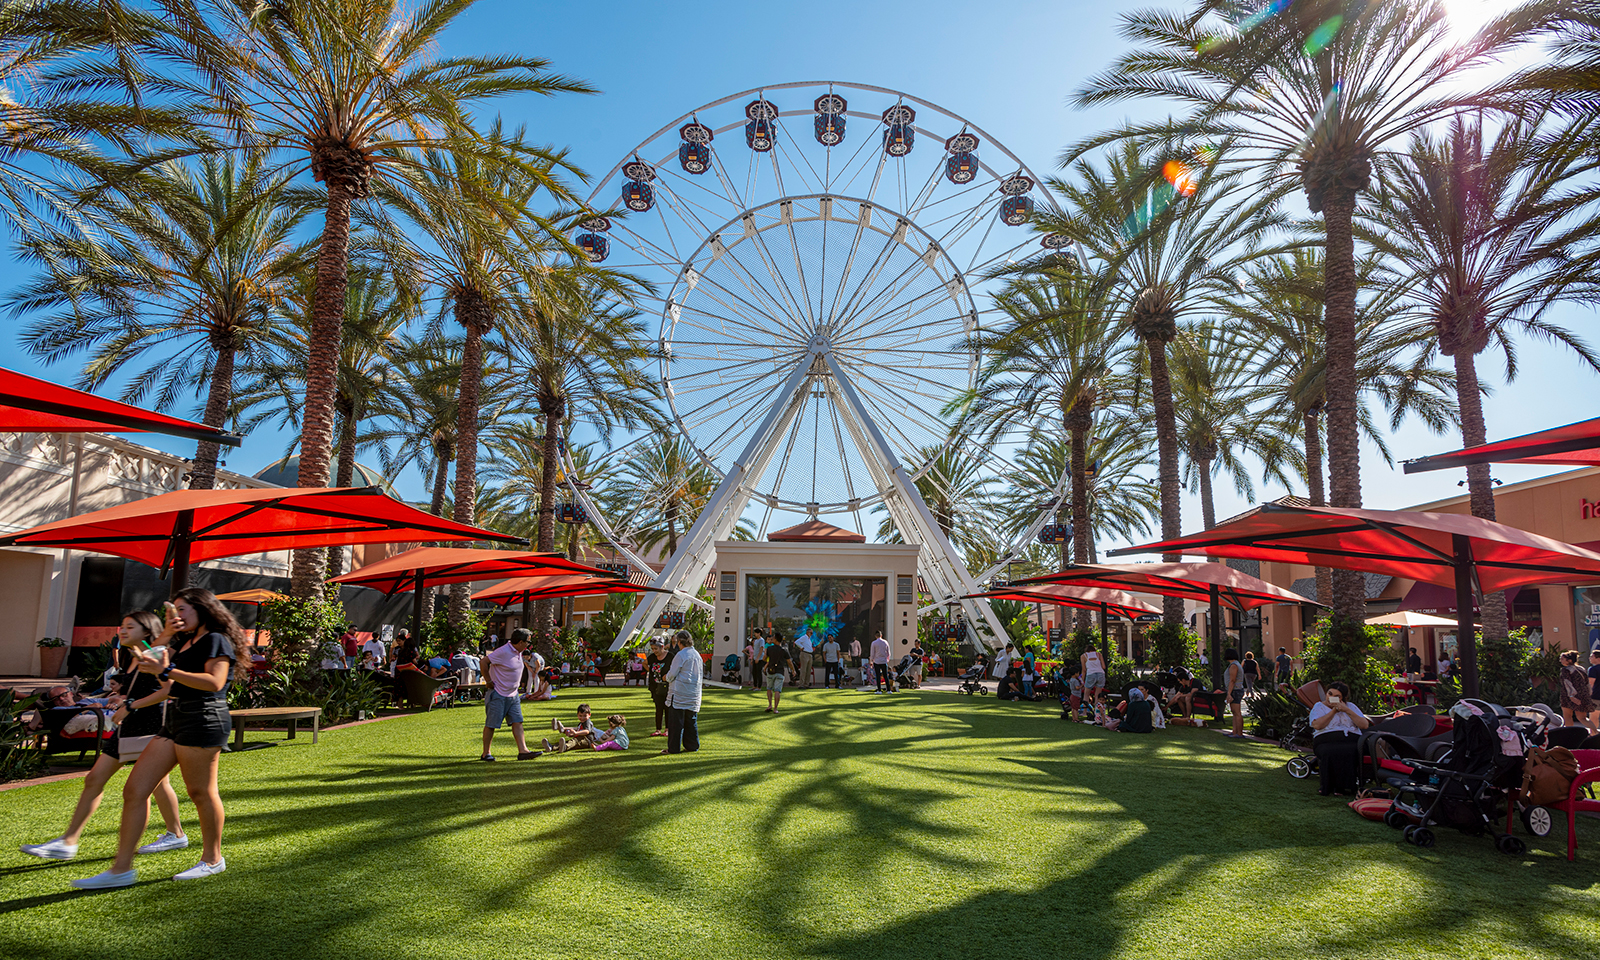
(50, 661)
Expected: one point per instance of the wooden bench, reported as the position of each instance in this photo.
(291, 714)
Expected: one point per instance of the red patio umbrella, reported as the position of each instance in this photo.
(416, 570)
(31, 405)
(1216, 583)
(172, 530)
(556, 587)
(1443, 548)
(1577, 444)
(1108, 602)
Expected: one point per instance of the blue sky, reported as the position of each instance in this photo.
(1008, 67)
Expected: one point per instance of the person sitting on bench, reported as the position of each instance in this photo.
(1183, 696)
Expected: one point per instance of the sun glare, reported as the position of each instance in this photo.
(1466, 16)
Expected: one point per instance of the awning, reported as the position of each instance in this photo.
(172, 530)
(253, 597)
(436, 566)
(31, 405)
(1204, 582)
(1115, 602)
(1576, 444)
(557, 587)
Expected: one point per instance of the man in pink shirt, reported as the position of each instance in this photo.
(502, 671)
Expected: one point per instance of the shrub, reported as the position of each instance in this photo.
(1173, 645)
(299, 628)
(1341, 649)
(20, 756)
(439, 634)
(1272, 713)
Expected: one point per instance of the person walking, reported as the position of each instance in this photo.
(918, 657)
(805, 645)
(831, 674)
(855, 659)
(683, 696)
(1577, 703)
(1002, 663)
(194, 657)
(502, 671)
(1252, 672)
(137, 723)
(776, 664)
(655, 672)
(880, 665)
(1233, 681)
(1284, 664)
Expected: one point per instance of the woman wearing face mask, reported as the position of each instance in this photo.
(138, 718)
(200, 639)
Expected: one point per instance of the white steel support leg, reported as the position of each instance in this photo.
(946, 570)
(686, 569)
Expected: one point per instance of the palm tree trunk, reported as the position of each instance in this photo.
(1079, 422)
(322, 366)
(218, 398)
(1344, 440)
(1316, 493)
(1469, 398)
(345, 476)
(475, 317)
(1208, 506)
(1167, 459)
(549, 467)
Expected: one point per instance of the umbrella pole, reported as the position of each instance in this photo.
(416, 609)
(1105, 641)
(1215, 624)
(1466, 642)
(180, 551)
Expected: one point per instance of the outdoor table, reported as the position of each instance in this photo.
(291, 714)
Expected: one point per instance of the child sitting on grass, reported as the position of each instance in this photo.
(616, 736)
(581, 735)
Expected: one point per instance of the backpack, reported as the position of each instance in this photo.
(1547, 775)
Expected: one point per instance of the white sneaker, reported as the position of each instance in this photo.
(107, 880)
(56, 849)
(167, 841)
(202, 869)
(555, 724)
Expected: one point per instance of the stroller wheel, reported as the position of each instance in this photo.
(1421, 836)
(1298, 768)
(983, 691)
(1538, 821)
(1506, 843)
(1395, 818)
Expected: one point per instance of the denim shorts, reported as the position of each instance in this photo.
(499, 708)
(198, 723)
(1094, 680)
(775, 682)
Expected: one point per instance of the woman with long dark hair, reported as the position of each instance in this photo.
(199, 644)
(138, 718)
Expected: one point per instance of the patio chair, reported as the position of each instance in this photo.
(417, 689)
(56, 741)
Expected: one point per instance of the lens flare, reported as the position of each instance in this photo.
(1323, 35)
(1180, 176)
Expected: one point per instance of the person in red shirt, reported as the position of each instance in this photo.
(352, 649)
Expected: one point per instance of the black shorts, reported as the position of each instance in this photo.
(197, 723)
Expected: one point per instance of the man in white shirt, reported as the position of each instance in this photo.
(683, 695)
(880, 664)
(830, 664)
(372, 654)
(802, 662)
(502, 671)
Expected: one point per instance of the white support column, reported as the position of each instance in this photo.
(696, 554)
(912, 515)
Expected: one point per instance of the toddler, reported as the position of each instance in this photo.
(616, 735)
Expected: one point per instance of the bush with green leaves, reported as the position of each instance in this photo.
(1346, 650)
(1506, 669)
(1272, 713)
(1173, 645)
(439, 635)
(300, 627)
(20, 755)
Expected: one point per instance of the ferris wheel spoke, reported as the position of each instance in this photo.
(875, 269)
(736, 318)
(869, 311)
(747, 279)
(844, 176)
(838, 439)
(1009, 255)
(793, 310)
(906, 331)
(802, 305)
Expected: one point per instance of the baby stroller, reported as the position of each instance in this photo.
(972, 680)
(1466, 787)
(1298, 736)
(902, 671)
(730, 669)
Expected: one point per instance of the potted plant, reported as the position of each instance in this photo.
(1544, 668)
(52, 653)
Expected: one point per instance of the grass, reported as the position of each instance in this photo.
(850, 826)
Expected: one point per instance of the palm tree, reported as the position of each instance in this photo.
(185, 287)
(1054, 355)
(1280, 313)
(1165, 248)
(1309, 95)
(1120, 501)
(1482, 235)
(1220, 418)
(666, 485)
(350, 91)
(959, 491)
(76, 80)
(417, 412)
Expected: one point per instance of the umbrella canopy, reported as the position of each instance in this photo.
(555, 587)
(254, 597)
(1115, 602)
(1577, 444)
(1192, 581)
(31, 405)
(1408, 618)
(435, 566)
(1443, 548)
(174, 529)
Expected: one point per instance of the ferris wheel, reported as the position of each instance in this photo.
(821, 253)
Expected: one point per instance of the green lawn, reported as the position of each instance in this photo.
(922, 825)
